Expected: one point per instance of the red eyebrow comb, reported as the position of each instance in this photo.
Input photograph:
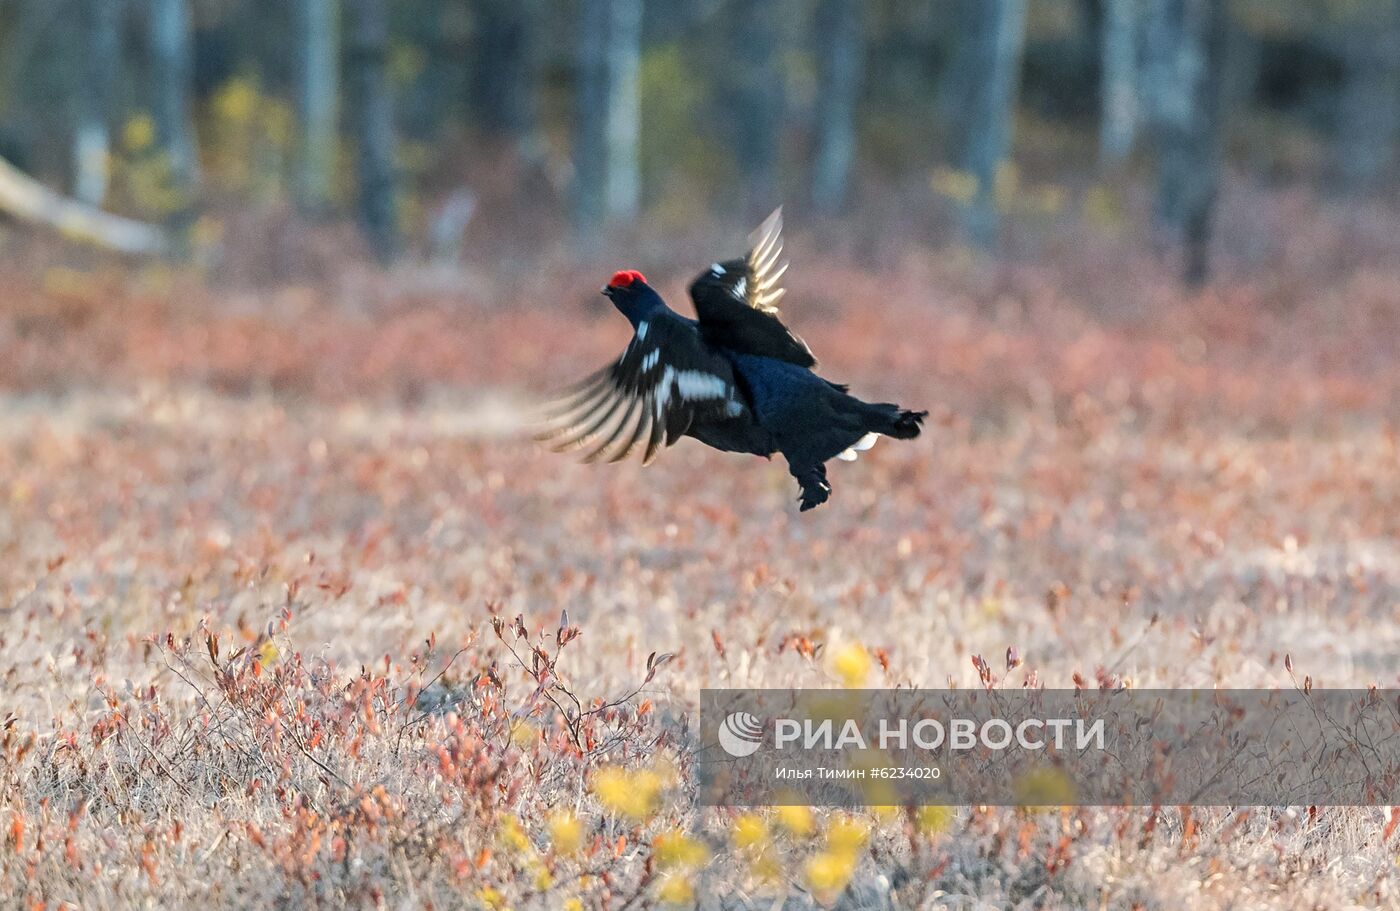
(625, 278)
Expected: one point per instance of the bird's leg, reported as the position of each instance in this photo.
(812, 479)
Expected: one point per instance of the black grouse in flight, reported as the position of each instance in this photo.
(736, 378)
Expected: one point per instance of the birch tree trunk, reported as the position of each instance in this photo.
(998, 33)
(1187, 39)
(367, 39)
(24, 198)
(1369, 112)
(97, 69)
(172, 75)
(317, 93)
(506, 64)
(759, 100)
(1118, 121)
(840, 58)
(607, 183)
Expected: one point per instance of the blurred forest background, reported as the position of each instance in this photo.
(284, 281)
(455, 130)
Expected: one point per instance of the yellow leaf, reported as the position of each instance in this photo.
(1044, 787)
(512, 837)
(851, 663)
(675, 849)
(676, 890)
(749, 831)
(139, 133)
(932, 820)
(796, 820)
(829, 871)
(635, 795)
(565, 832)
(846, 835)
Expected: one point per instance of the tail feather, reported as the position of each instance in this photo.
(893, 421)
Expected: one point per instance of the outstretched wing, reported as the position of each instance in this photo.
(737, 300)
(666, 380)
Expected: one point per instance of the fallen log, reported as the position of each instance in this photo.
(24, 198)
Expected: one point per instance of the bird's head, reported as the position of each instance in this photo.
(630, 293)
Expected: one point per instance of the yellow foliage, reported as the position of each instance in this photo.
(406, 62)
(957, 185)
(1101, 207)
(1005, 183)
(236, 101)
(565, 832)
(523, 734)
(139, 133)
(884, 812)
(766, 867)
(796, 820)
(933, 820)
(249, 138)
(851, 663)
(829, 871)
(636, 795)
(676, 890)
(512, 837)
(846, 834)
(1044, 787)
(675, 849)
(749, 831)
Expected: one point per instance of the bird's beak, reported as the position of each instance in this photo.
(607, 291)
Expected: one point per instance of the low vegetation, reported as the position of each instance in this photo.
(297, 615)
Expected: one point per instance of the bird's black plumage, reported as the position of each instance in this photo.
(736, 378)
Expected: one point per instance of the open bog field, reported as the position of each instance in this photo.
(295, 613)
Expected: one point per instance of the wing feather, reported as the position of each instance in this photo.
(667, 379)
(737, 301)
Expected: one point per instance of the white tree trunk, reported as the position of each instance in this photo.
(624, 110)
(24, 198)
(367, 37)
(171, 67)
(1186, 39)
(840, 53)
(100, 49)
(999, 32)
(607, 183)
(1369, 112)
(1118, 122)
(317, 94)
(758, 99)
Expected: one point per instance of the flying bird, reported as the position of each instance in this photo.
(736, 378)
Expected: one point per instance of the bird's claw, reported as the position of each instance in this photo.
(814, 496)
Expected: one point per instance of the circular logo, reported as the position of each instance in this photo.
(741, 734)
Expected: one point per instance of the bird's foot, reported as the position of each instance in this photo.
(812, 480)
(815, 492)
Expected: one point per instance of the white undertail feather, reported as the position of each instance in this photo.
(859, 446)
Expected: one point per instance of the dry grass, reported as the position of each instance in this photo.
(262, 560)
